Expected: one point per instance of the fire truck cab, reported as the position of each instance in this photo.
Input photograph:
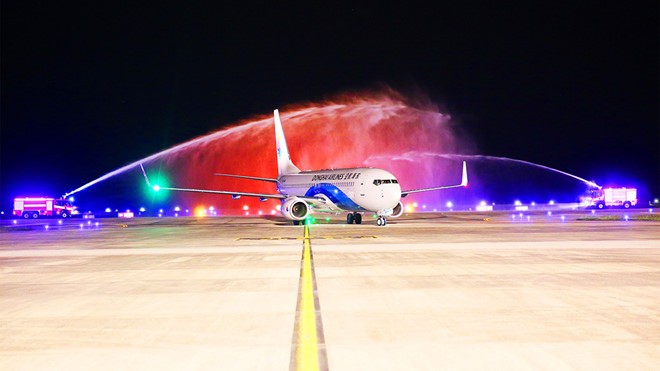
(34, 207)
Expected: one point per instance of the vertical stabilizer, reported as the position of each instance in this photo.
(284, 164)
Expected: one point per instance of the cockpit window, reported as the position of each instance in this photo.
(385, 181)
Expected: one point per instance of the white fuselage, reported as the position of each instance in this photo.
(357, 189)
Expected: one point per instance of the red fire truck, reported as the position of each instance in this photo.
(612, 197)
(34, 207)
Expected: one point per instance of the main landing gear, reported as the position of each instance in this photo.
(381, 221)
(354, 217)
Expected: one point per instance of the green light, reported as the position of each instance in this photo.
(156, 188)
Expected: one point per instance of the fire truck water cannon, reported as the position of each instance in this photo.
(35, 207)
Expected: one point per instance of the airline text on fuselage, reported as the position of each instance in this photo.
(343, 176)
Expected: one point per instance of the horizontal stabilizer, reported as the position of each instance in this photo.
(247, 177)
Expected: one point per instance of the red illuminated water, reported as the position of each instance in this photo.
(346, 132)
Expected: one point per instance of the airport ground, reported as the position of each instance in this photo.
(570, 290)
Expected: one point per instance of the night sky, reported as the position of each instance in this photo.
(87, 87)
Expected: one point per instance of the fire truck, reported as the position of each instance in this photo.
(612, 197)
(34, 207)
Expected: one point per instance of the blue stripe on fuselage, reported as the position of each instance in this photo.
(334, 194)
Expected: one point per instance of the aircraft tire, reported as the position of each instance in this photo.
(350, 218)
(626, 205)
(64, 214)
(358, 218)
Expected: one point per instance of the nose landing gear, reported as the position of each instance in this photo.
(381, 221)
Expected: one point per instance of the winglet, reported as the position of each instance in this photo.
(155, 187)
(145, 175)
(464, 180)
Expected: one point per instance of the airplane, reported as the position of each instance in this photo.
(353, 190)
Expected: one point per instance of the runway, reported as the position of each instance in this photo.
(428, 291)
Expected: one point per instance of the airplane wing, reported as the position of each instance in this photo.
(157, 188)
(464, 182)
(314, 201)
(247, 177)
(231, 193)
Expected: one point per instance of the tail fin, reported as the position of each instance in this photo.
(284, 164)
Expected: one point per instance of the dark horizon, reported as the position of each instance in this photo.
(89, 88)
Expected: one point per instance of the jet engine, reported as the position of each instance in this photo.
(294, 208)
(397, 211)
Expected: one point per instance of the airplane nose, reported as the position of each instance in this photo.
(391, 196)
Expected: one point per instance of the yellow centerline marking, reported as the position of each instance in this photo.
(308, 330)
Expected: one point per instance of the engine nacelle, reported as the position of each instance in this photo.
(397, 211)
(294, 208)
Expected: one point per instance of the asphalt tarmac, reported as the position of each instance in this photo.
(428, 291)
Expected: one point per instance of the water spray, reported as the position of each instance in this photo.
(375, 110)
(413, 155)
